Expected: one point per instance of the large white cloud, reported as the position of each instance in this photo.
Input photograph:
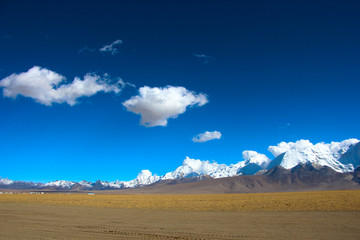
(44, 87)
(157, 105)
(207, 136)
(111, 48)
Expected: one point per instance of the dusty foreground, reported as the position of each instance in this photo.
(325, 215)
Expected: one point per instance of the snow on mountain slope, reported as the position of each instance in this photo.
(194, 167)
(60, 184)
(256, 158)
(288, 155)
(85, 183)
(254, 162)
(5, 181)
(351, 156)
(145, 177)
(116, 184)
(107, 185)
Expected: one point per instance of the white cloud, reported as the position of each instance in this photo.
(111, 48)
(44, 87)
(204, 58)
(157, 105)
(207, 136)
(86, 49)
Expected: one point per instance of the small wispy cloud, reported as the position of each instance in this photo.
(207, 136)
(111, 48)
(204, 58)
(287, 125)
(87, 49)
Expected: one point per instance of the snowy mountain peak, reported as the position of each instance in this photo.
(60, 183)
(6, 181)
(145, 177)
(339, 148)
(85, 183)
(193, 168)
(256, 158)
(288, 155)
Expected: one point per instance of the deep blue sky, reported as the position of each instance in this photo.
(279, 71)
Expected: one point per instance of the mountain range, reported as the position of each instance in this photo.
(299, 162)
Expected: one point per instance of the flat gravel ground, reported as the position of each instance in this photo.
(24, 220)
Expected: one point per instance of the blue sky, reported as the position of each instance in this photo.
(271, 71)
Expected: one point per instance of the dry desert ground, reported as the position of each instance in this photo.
(296, 215)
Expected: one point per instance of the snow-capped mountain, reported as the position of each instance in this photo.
(195, 168)
(60, 184)
(115, 184)
(342, 157)
(85, 183)
(288, 155)
(5, 181)
(351, 156)
(145, 177)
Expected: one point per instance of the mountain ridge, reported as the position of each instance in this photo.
(341, 157)
(303, 177)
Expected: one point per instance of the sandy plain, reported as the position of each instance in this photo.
(301, 215)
